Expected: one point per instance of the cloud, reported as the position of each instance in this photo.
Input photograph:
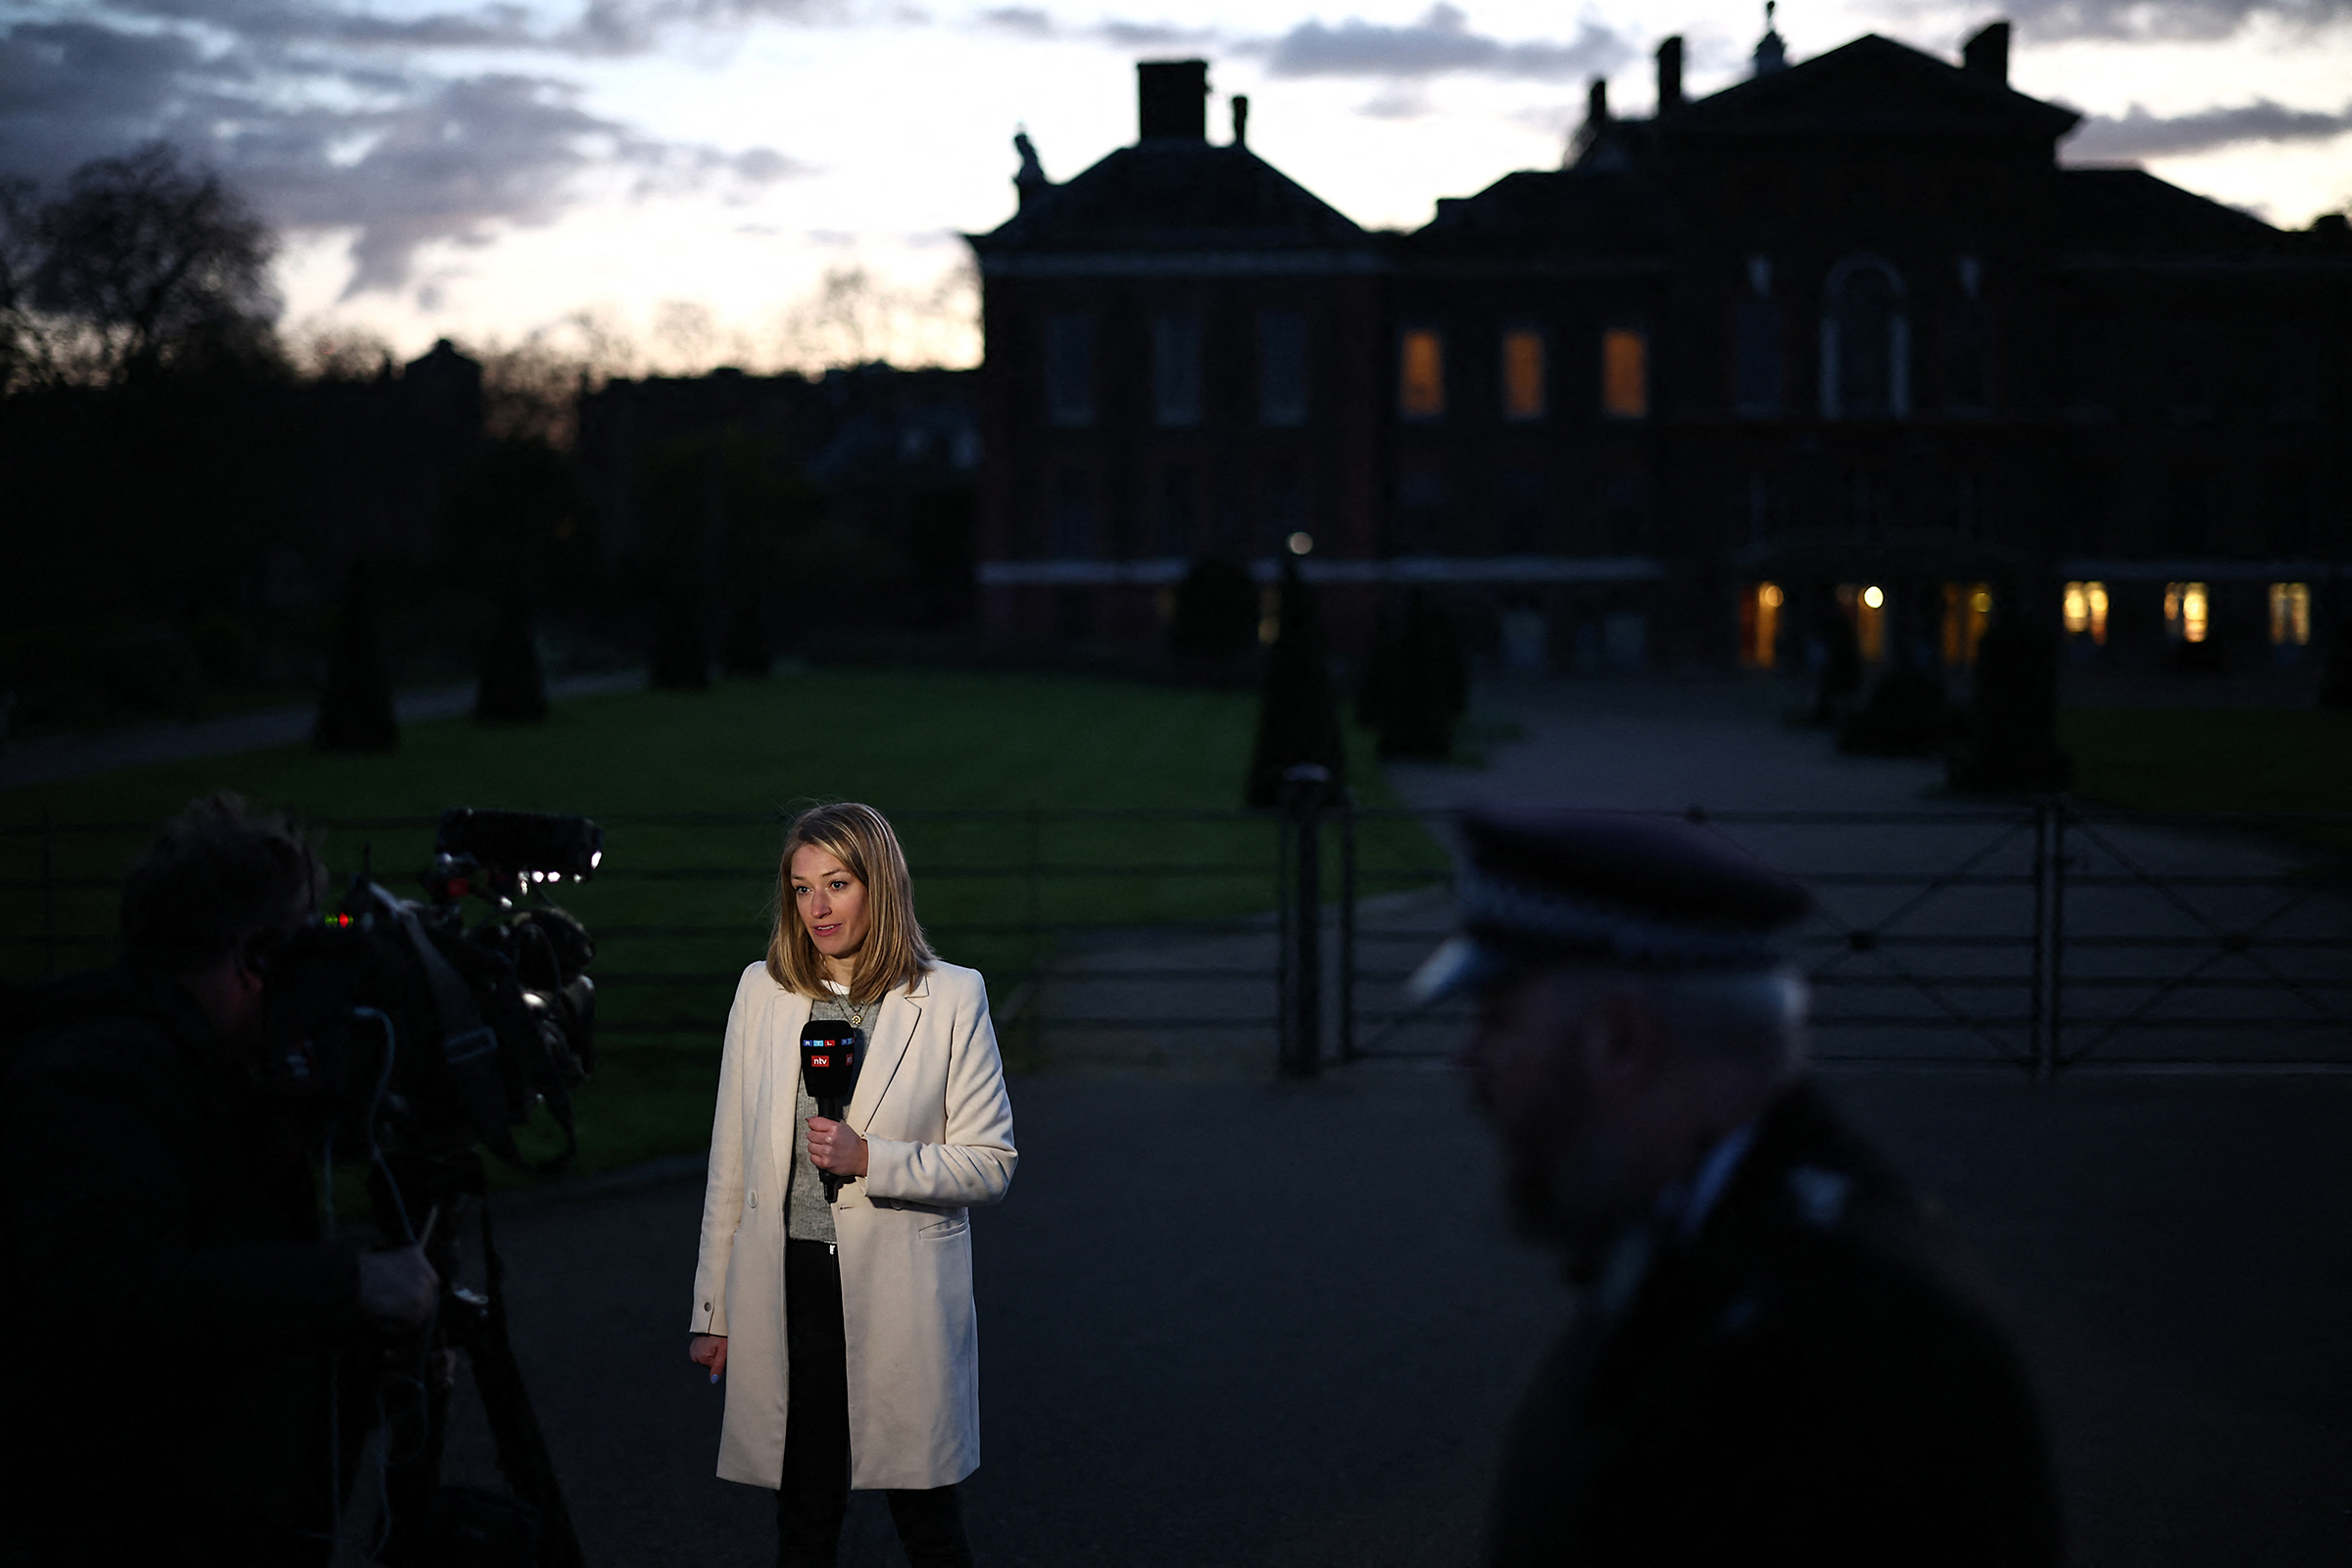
(1440, 42)
(2049, 21)
(330, 123)
(1028, 21)
(2140, 134)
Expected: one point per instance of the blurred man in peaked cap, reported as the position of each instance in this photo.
(1774, 1355)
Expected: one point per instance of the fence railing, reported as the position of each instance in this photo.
(2042, 935)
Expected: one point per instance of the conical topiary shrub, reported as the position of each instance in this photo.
(1908, 714)
(1841, 667)
(512, 688)
(745, 646)
(355, 711)
(2012, 740)
(1298, 709)
(1417, 682)
(681, 660)
(1212, 631)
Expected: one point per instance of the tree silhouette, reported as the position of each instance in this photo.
(514, 688)
(1299, 709)
(1416, 683)
(681, 660)
(354, 711)
(140, 263)
(2012, 739)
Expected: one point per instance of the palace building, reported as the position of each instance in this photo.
(1844, 341)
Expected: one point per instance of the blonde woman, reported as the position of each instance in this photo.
(845, 1328)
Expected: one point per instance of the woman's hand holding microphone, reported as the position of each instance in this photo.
(835, 1146)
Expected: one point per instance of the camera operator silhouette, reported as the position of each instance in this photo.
(174, 1312)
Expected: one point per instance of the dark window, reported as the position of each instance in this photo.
(1070, 367)
(2187, 510)
(1282, 367)
(2294, 373)
(1627, 502)
(1525, 506)
(2086, 364)
(2287, 502)
(1178, 529)
(1073, 614)
(1422, 496)
(2195, 367)
(1073, 514)
(1756, 357)
(1865, 503)
(1767, 505)
(1865, 347)
(1176, 368)
(2083, 528)
(1968, 357)
(1285, 497)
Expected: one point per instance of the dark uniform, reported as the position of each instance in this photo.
(1796, 1366)
(1811, 1378)
(170, 1312)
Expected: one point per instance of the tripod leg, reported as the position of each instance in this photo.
(522, 1456)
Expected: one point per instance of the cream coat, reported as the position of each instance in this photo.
(932, 1107)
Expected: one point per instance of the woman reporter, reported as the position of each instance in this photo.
(845, 1328)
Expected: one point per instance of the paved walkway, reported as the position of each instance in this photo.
(57, 758)
(1266, 1324)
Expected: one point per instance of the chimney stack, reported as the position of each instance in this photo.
(1987, 53)
(1670, 76)
(1597, 102)
(1241, 119)
(1172, 99)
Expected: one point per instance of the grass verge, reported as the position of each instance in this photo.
(692, 788)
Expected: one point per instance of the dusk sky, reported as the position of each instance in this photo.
(688, 169)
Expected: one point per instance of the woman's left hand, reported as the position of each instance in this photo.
(836, 1146)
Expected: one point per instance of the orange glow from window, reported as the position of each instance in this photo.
(1869, 618)
(2085, 610)
(2186, 611)
(1421, 376)
(1624, 373)
(1760, 625)
(2290, 614)
(1967, 612)
(1522, 375)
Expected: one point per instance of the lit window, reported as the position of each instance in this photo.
(2290, 614)
(2186, 612)
(1523, 374)
(2085, 610)
(1866, 606)
(1624, 373)
(1421, 376)
(1967, 613)
(1070, 367)
(1176, 368)
(1760, 625)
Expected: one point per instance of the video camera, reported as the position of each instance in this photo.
(395, 1024)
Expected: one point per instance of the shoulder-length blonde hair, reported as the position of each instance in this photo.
(894, 952)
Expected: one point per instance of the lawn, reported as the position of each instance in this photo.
(1000, 784)
(2212, 758)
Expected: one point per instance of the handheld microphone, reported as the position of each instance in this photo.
(829, 1069)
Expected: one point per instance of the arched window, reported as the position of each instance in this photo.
(1865, 342)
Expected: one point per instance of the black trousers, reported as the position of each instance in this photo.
(814, 1496)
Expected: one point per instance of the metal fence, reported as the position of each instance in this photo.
(2046, 936)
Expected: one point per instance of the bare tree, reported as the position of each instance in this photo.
(856, 318)
(143, 260)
